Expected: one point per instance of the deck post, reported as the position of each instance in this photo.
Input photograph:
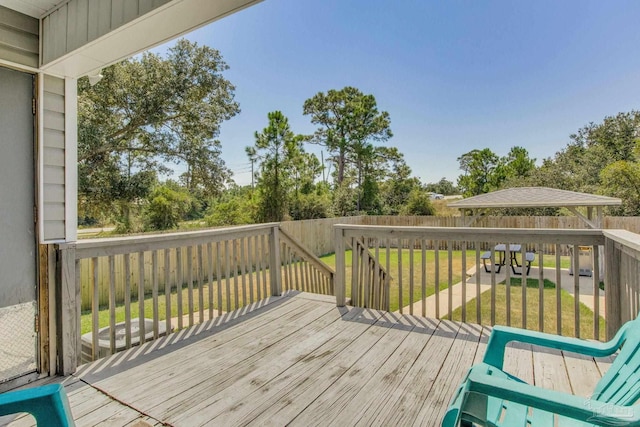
(274, 261)
(68, 307)
(339, 278)
(613, 284)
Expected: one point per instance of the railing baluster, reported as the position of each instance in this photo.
(190, 283)
(200, 285)
(493, 283)
(179, 283)
(576, 289)
(95, 309)
(210, 277)
(450, 279)
(227, 272)
(540, 288)
(127, 300)
(596, 292)
(436, 256)
(264, 264)
(112, 304)
(219, 276)
(257, 264)
(366, 269)
(411, 281)
(154, 293)
(354, 272)
(167, 289)
(234, 256)
(523, 283)
(141, 324)
(478, 288)
(423, 254)
(558, 292)
(376, 277)
(400, 282)
(290, 261)
(507, 268)
(463, 276)
(285, 261)
(387, 285)
(250, 268)
(243, 271)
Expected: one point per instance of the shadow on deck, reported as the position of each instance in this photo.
(299, 360)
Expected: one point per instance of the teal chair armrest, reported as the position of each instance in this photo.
(567, 405)
(502, 335)
(48, 404)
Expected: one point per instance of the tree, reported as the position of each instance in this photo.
(148, 112)
(277, 146)
(419, 203)
(478, 167)
(349, 122)
(444, 186)
(167, 206)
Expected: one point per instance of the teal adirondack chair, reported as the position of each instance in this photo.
(491, 397)
(48, 404)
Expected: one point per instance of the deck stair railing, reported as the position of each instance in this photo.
(369, 279)
(121, 291)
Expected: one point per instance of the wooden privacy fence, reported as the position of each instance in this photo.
(452, 283)
(317, 234)
(139, 288)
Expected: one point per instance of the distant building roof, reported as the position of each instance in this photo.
(533, 197)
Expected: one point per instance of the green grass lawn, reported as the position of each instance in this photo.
(532, 305)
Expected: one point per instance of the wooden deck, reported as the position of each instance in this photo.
(298, 360)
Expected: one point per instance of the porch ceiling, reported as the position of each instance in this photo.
(33, 8)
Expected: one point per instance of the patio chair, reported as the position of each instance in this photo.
(48, 404)
(491, 397)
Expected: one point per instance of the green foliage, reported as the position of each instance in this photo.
(478, 167)
(236, 210)
(277, 146)
(349, 123)
(622, 179)
(167, 207)
(419, 203)
(311, 206)
(145, 113)
(444, 187)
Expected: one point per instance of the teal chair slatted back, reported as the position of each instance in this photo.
(621, 383)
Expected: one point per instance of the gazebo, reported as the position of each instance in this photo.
(537, 197)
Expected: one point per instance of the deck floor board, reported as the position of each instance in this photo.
(301, 361)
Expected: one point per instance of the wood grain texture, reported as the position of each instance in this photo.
(299, 360)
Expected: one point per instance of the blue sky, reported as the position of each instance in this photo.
(453, 75)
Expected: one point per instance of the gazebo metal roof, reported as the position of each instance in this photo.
(534, 197)
(539, 197)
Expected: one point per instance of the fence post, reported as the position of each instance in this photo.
(613, 291)
(68, 309)
(274, 261)
(339, 278)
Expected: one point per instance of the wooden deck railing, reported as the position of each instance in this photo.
(438, 272)
(121, 291)
(622, 277)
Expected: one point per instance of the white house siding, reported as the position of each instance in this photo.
(18, 38)
(79, 22)
(53, 155)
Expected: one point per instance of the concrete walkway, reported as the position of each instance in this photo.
(566, 283)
